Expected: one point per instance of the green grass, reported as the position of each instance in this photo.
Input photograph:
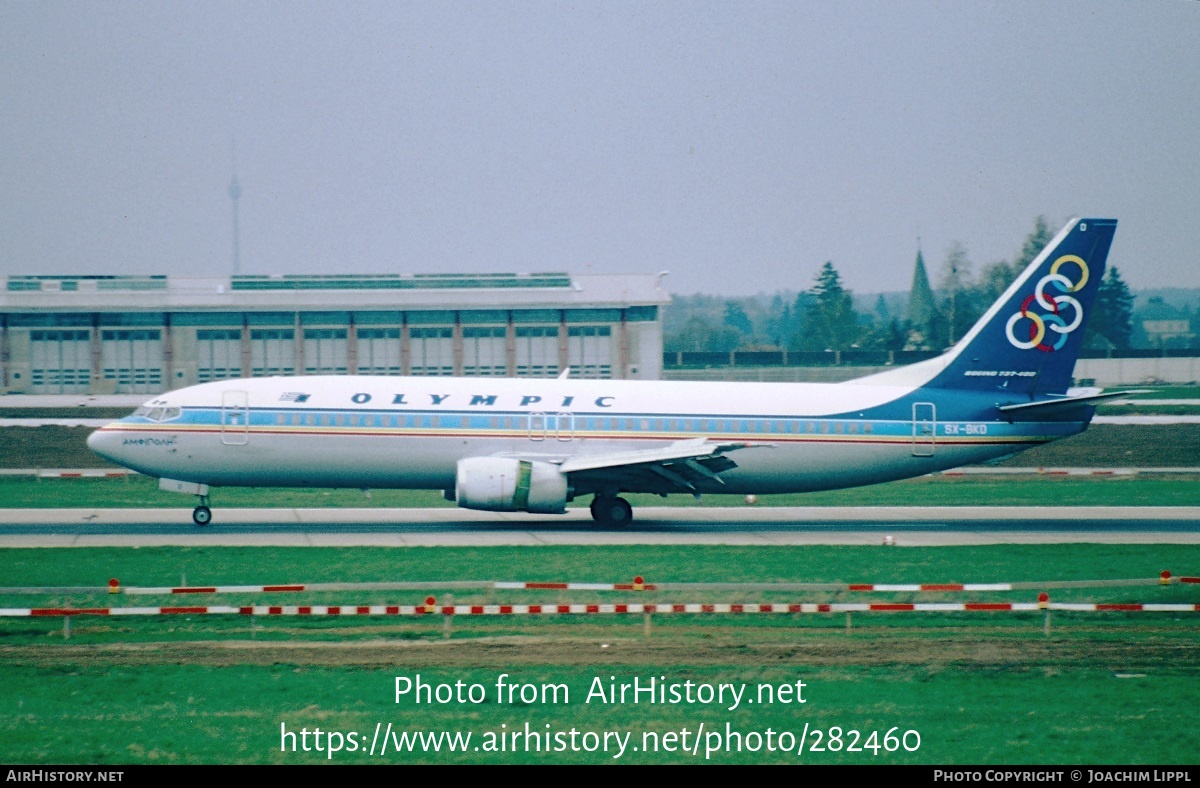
(235, 714)
(137, 491)
(979, 688)
(196, 566)
(157, 566)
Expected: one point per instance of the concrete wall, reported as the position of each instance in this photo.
(1106, 372)
(1138, 371)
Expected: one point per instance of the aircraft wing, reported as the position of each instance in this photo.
(672, 468)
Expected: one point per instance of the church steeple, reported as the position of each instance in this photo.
(922, 308)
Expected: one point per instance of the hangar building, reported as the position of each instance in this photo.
(146, 334)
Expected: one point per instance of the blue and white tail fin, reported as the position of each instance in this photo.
(1028, 341)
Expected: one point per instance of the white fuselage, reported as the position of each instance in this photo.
(395, 432)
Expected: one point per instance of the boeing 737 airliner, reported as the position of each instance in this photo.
(534, 445)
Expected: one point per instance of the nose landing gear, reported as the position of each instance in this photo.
(202, 515)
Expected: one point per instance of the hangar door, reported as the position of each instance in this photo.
(133, 358)
(432, 351)
(218, 354)
(272, 352)
(326, 351)
(589, 349)
(484, 351)
(537, 351)
(379, 351)
(62, 361)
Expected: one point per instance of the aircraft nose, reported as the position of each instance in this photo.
(105, 444)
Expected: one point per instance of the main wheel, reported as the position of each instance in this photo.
(202, 515)
(613, 512)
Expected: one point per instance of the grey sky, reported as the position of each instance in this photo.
(737, 145)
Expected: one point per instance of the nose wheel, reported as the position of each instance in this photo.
(202, 515)
(611, 511)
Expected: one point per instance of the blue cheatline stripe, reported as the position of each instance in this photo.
(516, 424)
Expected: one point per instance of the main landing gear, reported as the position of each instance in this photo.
(202, 515)
(611, 511)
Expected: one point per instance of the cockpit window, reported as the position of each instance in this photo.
(158, 414)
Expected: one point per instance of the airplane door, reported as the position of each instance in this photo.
(537, 426)
(564, 427)
(235, 418)
(924, 429)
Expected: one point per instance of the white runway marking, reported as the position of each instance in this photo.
(908, 526)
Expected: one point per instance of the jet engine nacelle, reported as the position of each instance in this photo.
(502, 484)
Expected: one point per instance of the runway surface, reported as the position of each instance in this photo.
(909, 526)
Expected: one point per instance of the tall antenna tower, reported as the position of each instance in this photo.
(235, 193)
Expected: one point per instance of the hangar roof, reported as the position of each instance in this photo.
(340, 291)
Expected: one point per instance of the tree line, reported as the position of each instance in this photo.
(932, 316)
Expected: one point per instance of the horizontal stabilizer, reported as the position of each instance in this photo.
(1055, 407)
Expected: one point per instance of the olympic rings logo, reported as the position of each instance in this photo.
(1052, 319)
